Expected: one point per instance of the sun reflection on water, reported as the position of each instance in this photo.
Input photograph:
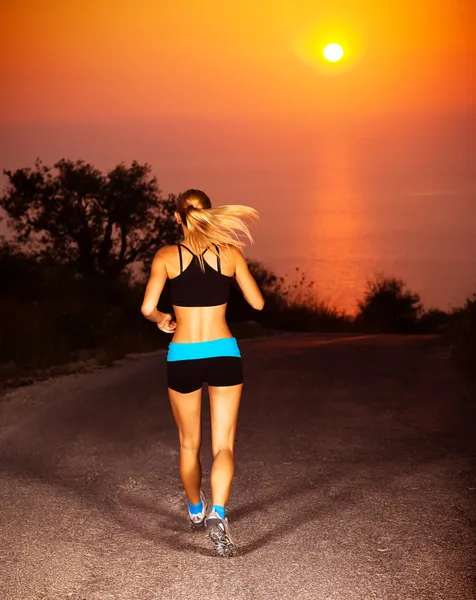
(336, 234)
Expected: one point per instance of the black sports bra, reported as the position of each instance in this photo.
(195, 287)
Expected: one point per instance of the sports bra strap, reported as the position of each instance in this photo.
(218, 259)
(186, 248)
(180, 246)
(180, 255)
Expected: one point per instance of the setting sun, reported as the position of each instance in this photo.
(333, 52)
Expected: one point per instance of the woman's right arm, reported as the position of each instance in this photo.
(247, 283)
(155, 285)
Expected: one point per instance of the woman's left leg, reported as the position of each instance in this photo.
(187, 412)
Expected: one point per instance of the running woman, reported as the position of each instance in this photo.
(203, 350)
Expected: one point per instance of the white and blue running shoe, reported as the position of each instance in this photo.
(198, 520)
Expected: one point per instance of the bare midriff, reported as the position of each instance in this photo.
(200, 324)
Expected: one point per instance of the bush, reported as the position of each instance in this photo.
(433, 321)
(388, 307)
(295, 307)
(461, 335)
(50, 316)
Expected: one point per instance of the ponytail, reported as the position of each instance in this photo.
(209, 227)
(221, 226)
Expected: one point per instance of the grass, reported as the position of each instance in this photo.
(295, 306)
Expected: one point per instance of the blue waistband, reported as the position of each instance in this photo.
(196, 350)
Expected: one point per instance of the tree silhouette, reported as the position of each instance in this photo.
(73, 214)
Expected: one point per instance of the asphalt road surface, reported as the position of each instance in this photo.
(355, 480)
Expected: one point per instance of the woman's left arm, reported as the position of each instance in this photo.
(155, 285)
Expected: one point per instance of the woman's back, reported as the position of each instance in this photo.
(190, 284)
(199, 296)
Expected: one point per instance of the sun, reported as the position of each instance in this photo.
(333, 52)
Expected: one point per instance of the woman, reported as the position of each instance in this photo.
(203, 349)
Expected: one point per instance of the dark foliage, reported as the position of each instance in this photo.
(269, 283)
(50, 316)
(388, 307)
(433, 321)
(74, 215)
(461, 334)
(294, 305)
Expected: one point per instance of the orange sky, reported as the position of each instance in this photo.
(90, 59)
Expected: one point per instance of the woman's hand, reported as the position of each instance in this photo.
(166, 323)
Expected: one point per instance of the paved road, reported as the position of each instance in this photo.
(354, 481)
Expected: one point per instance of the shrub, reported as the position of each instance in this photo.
(461, 334)
(433, 321)
(295, 306)
(50, 315)
(388, 307)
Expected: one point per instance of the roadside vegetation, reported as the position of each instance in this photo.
(461, 337)
(73, 278)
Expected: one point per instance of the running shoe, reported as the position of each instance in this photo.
(218, 532)
(198, 520)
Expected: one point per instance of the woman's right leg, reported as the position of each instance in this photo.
(187, 409)
(224, 405)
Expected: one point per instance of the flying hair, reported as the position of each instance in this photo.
(209, 227)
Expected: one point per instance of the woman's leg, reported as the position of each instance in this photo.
(224, 405)
(187, 413)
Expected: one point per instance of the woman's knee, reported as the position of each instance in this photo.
(190, 443)
(223, 450)
(223, 439)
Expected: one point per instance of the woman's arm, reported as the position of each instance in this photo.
(247, 283)
(155, 285)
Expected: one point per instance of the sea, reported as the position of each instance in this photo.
(342, 199)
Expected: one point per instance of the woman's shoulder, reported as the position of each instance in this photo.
(165, 253)
(167, 250)
(232, 253)
(229, 251)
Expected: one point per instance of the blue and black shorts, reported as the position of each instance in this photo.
(190, 365)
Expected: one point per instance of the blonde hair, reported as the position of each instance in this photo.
(209, 227)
